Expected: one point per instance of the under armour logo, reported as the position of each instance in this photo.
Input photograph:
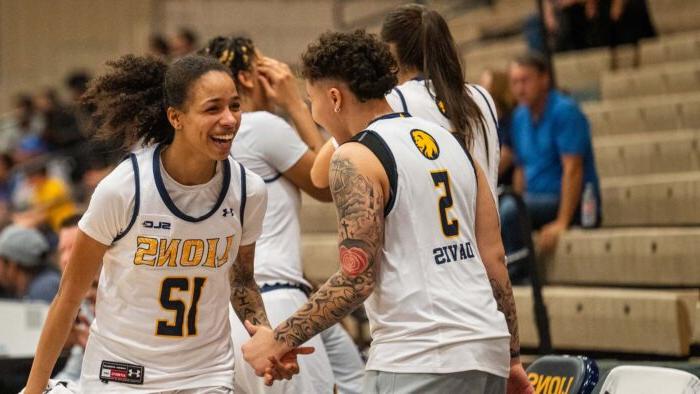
(134, 373)
(228, 211)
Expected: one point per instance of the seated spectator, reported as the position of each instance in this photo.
(158, 46)
(23, 122)
(25, 272)
(554, 160)
(7, 184)
(630, 22)
(183, 42)
(77, 340)
(51, 200)
(61, 130)
(497, 84)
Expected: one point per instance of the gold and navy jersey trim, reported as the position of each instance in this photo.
(488, 105)
(137, 198)
(390, 116)
(244, 195)
(402, 98)
(169, 202)
(274, 178)
(375, 143)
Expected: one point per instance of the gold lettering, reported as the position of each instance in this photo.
(167, 253)
(146, 251)
(555, 385)
(542, 384)
(533, 377)
(568, 387)
(192, 252)
(212, 244)
(224, 258)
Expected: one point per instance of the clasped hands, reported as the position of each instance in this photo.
(271, 359)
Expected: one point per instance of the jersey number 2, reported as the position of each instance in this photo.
(449, 227)
(176, 329)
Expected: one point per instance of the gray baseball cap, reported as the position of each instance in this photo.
(24, 246)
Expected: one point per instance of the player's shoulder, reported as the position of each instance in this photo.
(121, 175)
(255, 185)
(480, 95)
(119, 184)
(264, 118)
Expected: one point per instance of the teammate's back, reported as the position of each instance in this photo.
(432, 287)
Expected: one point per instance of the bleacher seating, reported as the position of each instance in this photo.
(607, 319)
(651, 113)
(648, 256)
(627, 154)
(632, 285)
(679, 77)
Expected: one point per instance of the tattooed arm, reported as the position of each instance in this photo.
(488, 239)
(245, 294)
(360, 206)
(358, 185)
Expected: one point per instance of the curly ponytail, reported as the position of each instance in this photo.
(128, 102)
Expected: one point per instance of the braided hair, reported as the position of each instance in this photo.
(236, 53)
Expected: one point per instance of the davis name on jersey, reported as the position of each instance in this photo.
(453, 252)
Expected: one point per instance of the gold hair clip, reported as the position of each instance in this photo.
(224, 56)
(231, 56)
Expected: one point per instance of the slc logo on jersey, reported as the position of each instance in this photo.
(426, 144)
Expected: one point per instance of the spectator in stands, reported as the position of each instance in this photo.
(25, 272)
(76, 82)
(51, 200)
(580, 24)
(497, 84)
(630, 22)
(158, 46)
(94, 159)
(7, 184)
(183, 42)
(553, 155)
(61, 131)
(23, 122)
(77, 340)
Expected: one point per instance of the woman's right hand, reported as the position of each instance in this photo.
(279, 83)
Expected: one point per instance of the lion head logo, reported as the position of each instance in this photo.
(426, 144)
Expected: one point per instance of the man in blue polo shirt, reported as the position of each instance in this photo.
(551, 141)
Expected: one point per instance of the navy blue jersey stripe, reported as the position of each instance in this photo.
(169, 202)
(137, 197)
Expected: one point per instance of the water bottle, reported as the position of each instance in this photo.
(588, 206)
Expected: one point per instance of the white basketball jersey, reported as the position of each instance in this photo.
(414, 98)
(268, 146)
(432, 310)
(163, 297)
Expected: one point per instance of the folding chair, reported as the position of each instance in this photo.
(632, 379)
(563, 374)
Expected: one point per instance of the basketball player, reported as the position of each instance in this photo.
(175, 227)
(268, 146)
(418, 240)
(434, 89)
